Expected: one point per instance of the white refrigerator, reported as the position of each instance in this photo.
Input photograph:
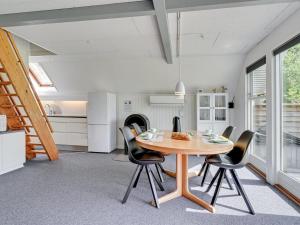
(102, 125)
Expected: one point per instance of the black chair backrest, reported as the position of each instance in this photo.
(240, 147)
(138, 129)
(129, 141)
(228, 131)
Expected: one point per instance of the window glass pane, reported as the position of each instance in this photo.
(258, 80)
(204, 114)
(220, 114)
(259, 116)
(258, 110)
(220, 101)
(204, 101)
(290, 72)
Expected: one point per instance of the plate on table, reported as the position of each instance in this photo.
(218, 140)
(146, 135)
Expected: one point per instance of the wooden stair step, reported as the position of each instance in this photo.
(15, 116)
(10, 106)
(39, 151)
(31, 135)
(5, 83)
(34, 144)
(16, 128)
(8, 95)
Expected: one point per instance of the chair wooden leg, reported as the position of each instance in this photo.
(131, 184)
(213, 180)
(138, 177)
(150, 178)
(228, 182)
(202, 169)
(158, 170)
(205, 174)
(214, 199)
(157, 181)
(242, 191)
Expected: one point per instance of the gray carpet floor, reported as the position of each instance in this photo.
(86, 189)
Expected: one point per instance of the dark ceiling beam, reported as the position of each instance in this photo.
(119, 10)
(163, 26)
(194, 5)
(109, 11)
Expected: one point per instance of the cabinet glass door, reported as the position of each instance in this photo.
(220, 108)
(205, 107)
(220, 101)
(220, 114)
(204, 114)
(204, 101)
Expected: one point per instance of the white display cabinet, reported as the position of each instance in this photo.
(212, 112)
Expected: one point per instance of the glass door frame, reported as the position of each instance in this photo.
(260, 163)
(279, 177)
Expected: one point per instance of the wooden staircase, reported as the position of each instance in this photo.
(20, 102)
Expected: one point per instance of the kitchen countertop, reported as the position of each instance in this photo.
(68, 116)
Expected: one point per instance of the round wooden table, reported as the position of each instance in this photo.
(198, 145)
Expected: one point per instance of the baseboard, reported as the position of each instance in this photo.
(74, 148)
(256, 170)
(11, 169)
(288, 194)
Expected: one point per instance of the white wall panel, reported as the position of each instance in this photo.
(160, 116)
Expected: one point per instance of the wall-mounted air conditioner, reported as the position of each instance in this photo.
(165, 100)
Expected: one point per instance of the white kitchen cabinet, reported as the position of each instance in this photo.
(12, 151)
(212, 112)
(69, 130)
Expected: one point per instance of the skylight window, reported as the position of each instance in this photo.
(40, 79)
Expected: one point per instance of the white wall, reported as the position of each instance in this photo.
(135, 79)
(280, 35)
(160, 116)
(69, 108)
(24, 49)
(147, 75)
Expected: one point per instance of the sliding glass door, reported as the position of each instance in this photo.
(280, 160)
(288, 67)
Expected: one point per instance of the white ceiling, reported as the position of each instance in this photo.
(131, 55)
(229, 30)
(16, 6)
(133, 36)
(207, 32)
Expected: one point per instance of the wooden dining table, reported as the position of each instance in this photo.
(198, 145)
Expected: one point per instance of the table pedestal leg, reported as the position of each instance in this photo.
(182, 186)
(185, 187)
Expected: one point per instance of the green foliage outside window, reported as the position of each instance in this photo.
(291, 75)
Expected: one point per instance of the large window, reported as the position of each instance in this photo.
(257, 106)
(288, 68)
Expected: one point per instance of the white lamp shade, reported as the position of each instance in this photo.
(180, 89)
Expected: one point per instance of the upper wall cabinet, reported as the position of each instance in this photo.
(212, 112)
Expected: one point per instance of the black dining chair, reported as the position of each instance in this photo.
(143, 159)
(227, 133)
(231, 161)
(158, 166)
